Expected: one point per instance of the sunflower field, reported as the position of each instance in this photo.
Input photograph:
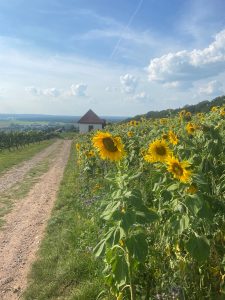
(160, 197)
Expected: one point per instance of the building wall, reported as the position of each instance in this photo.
(83, 128)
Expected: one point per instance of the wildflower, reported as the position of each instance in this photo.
(173, 138)
(157, 151)
(109, 147)
(179, 169)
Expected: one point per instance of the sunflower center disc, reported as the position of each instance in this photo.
(109, 144)
(177, 169)
(161, 150)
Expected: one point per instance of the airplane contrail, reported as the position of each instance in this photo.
(126, 27)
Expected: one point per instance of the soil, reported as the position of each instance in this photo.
(25, 224)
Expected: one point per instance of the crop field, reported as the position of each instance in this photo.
(160, 194)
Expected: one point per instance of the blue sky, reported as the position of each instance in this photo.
(116, 57)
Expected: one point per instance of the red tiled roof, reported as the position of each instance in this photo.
(91, 118)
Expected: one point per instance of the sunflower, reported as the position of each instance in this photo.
(214, 108)
(200, 115)
(130, 134)
(163, 121)
(191, 128)
(173, 138)
(187, 116)
(182, 113)
(108, 146)
(90, 153)
(133, 123)
(222, 112)
(192, 189)
(78, 146)
(165, 136)
(157, 151)
(179, 169)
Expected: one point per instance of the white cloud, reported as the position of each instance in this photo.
(212, 88)
(78, 90)
(51, 92)
(189, 65)
(33, 91)
(129, 83)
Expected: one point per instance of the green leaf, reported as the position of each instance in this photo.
(194, 203)
(99, 249)
(109, 210)
(135, 199)
(184, 223)
(146, 215)
(198, 247)
(119, 268)
(128, 219)
(179, 224)
(173, 187)
(112, 236)
(137, 246)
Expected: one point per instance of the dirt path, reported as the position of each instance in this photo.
(17, 173)
(24, 228)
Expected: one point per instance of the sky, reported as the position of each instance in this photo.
(119, 58)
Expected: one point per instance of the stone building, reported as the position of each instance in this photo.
(90, 121)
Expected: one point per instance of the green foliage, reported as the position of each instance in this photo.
(163, 235)
(10, 140)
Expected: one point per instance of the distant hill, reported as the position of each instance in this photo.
(203, 106)
(52, 118)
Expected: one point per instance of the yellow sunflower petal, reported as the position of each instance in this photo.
(179, 169)
(108, 146)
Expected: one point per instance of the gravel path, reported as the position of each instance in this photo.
(25, 225)
(17, 173)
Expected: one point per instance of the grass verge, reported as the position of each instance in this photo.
(10, 158)
(66, 268)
